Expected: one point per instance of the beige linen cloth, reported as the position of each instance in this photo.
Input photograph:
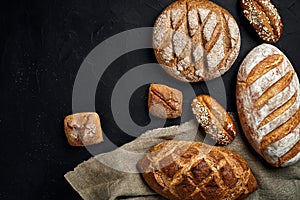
(113, 175)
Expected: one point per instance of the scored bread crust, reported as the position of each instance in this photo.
(195, 40)
(268, 104)
(182, 170)
(164, 101)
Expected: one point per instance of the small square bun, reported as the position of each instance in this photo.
(83, 129)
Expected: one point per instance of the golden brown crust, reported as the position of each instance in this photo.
(264, 18)
(83, 129)
(290, 154)
(278, 111)
(281, 131)
(195, 40)
(182, 170)
(274, 89)
(214, 119)
(263, 67)
(249, 131)
(164, 101)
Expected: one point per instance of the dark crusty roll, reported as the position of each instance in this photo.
(181, 170)
(268, 104)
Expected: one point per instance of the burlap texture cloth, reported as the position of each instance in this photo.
(100, 177)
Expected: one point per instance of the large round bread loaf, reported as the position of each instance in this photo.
(182, 170)
(268, 104)
(195, 40)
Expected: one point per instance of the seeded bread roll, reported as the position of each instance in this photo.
(214, 119)
(268, 105)
(195, 40)
(183, 170)
(264, 18)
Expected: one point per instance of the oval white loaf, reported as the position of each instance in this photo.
(268, 104)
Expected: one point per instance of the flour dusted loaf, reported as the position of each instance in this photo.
(181, 170)
(195, 40)
(268, 105)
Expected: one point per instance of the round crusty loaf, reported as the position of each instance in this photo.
(268, 104)
(183, 170)
(195, 40)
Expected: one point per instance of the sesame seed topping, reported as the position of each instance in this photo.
(260, 12)
(201, 114)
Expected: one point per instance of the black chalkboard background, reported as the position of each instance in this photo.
(42, 45)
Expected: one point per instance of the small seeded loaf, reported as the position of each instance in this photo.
(268, 105)
(195, 40)
(214, 119)
(264, 18)
(183, 170)
(83, 129)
